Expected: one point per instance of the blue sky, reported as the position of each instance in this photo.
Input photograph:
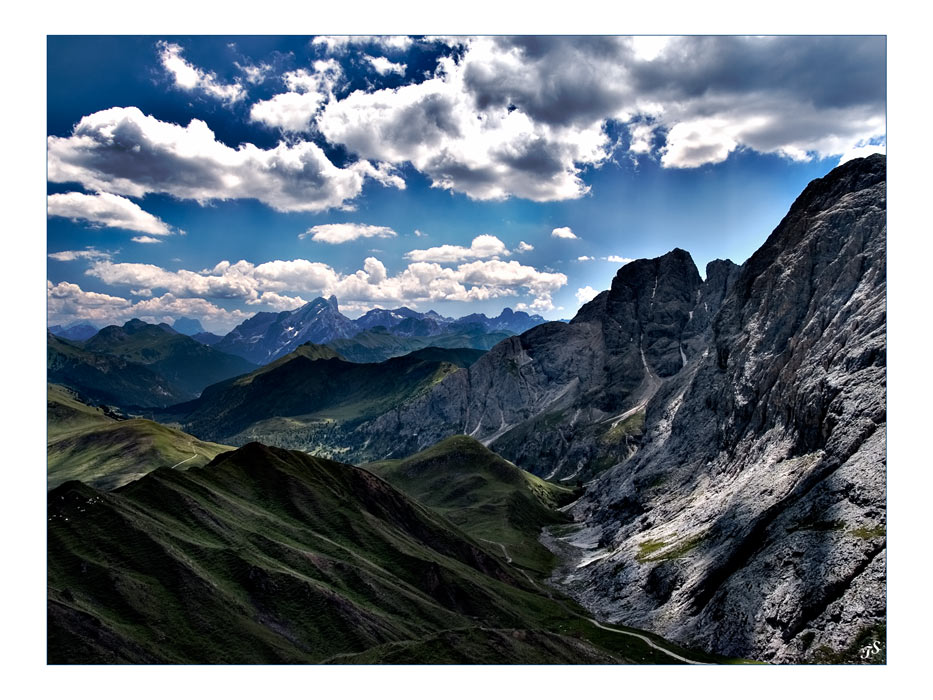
(215, 177)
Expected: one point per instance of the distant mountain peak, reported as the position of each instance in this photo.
(188, 326)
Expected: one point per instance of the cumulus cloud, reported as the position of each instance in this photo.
(340, 44)
(526, 116)
(67, 302)
(484, 246)
(618, 259)
(383, 66)
(584, 258)
(191, 78)
(463, 142)
(294, 110)
(343, 233)
(123, 151)
(89, 253)
(146, 239)
(105, 209)
(271, 282)
(585, 294)
(523, 247)
(563, 232)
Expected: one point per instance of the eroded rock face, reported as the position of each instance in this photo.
(751, 521)
(554, 399)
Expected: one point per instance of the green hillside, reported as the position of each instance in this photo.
(483, 494)
(378, 344)
(107, 378)
(186, 364)
(86, 444)
(314, 389)
(271, 556)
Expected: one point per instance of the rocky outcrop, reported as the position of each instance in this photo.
(752, 519)
(565, 401)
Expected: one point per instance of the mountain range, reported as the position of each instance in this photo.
(731, 430)
(268, 336)
(703, 458)
(139, 365)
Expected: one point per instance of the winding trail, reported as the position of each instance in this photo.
(650, 643)
(195, 454)
(593, 621)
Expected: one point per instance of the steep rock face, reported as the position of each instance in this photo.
(556, 398)
(268, 336)
(752, 519)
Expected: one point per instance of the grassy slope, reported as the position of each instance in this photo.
(107, 378)
(187, 364)
(270, 556)
(483, 494)
(87, 445)
(317, 388)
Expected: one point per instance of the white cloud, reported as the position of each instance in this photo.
(523, 247)
(618, 259)
(648, 48)
(384, 66)
(642, 138)
(255, 74)
(294, 110)
(585, 294)
(343, 233)
(584, 258)
(483, 246)
(67, 302)
(89, 253)
(123, 151)
(525, 116)
(146, 239)
(862, 151)
(105, 209)
(420, 234)
(487, 151)
(419, 281)
(563, 232)
(191, 78)
(339, 44)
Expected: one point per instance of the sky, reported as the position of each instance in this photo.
(215, 177)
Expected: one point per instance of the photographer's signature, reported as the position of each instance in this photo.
(870, 650)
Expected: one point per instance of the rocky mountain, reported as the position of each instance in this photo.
(567, 400)
(508, 320)
(188, 326)
(732, 429)
(271, 556)
(269, 336)
(186, 364)
(752, 520)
